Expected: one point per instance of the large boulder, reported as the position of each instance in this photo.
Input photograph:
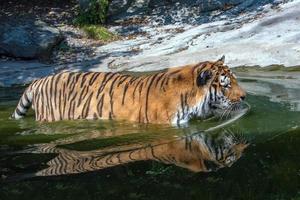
(28, 39)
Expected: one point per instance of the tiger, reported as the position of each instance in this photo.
(198, 152)
(173, 96)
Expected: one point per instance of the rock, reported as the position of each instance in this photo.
(124, 9)
(28, 39)
(84, 4)
(172, 11)
(117, 7)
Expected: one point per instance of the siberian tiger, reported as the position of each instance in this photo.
(197, 152)
(170, 97)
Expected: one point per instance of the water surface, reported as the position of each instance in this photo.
(268, 169)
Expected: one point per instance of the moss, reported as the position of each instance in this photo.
(95, 14)
(91, 21)
(97, 32)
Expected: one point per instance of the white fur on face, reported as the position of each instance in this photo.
(225, 81)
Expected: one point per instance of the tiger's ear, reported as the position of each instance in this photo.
(203, 78)
(221, 60)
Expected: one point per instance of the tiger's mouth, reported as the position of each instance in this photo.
(226, 111)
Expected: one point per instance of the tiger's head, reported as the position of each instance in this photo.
(225, 92)
(204, 88)
(224, 151)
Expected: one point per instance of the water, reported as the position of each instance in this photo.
(269, 167)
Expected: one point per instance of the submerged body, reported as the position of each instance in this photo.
(170, 97)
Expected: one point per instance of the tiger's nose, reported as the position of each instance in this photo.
(243, 97)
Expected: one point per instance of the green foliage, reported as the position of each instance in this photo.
(95, 14)
(90, 20)
(98, 32)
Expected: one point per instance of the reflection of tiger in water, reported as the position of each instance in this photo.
(173, 96)
(198, 152)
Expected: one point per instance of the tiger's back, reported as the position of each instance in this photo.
(90, 95)
(94, 95)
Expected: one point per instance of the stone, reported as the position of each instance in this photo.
(84, 4)
(124, 9)
(172, 11)
(28, 39)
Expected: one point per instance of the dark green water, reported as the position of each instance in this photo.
(268, 169)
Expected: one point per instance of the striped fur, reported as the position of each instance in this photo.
(198, 152)
(170, 97)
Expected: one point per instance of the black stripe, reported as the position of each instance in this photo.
(83, 91)
(37, 111)
(182, 104)
(186, 143)
(111, 94)
(185, 102)
(70, 107)
(163, 82)
(26, 107)
(94, 78)
(55, 89)
(86, 107)
(40, 82)
(71, 87)
(159, 78)
(136, 86)
(86, 92)
(83, 79)
(100, 105)
(95, 116)
(140, 90)
(140, 114)
(47, 99)
(26, 97)
(64, 98)
(132, 80)
(51, 97)
(124, 93)
(215, 93)
(19, 112)
(147, 96)
(104, 82)
(59, 110)
(42, 99)
(69, 77)
(122, 79)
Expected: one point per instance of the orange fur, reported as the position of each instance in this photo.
(158, 98)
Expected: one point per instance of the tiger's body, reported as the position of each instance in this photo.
(170, 97)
